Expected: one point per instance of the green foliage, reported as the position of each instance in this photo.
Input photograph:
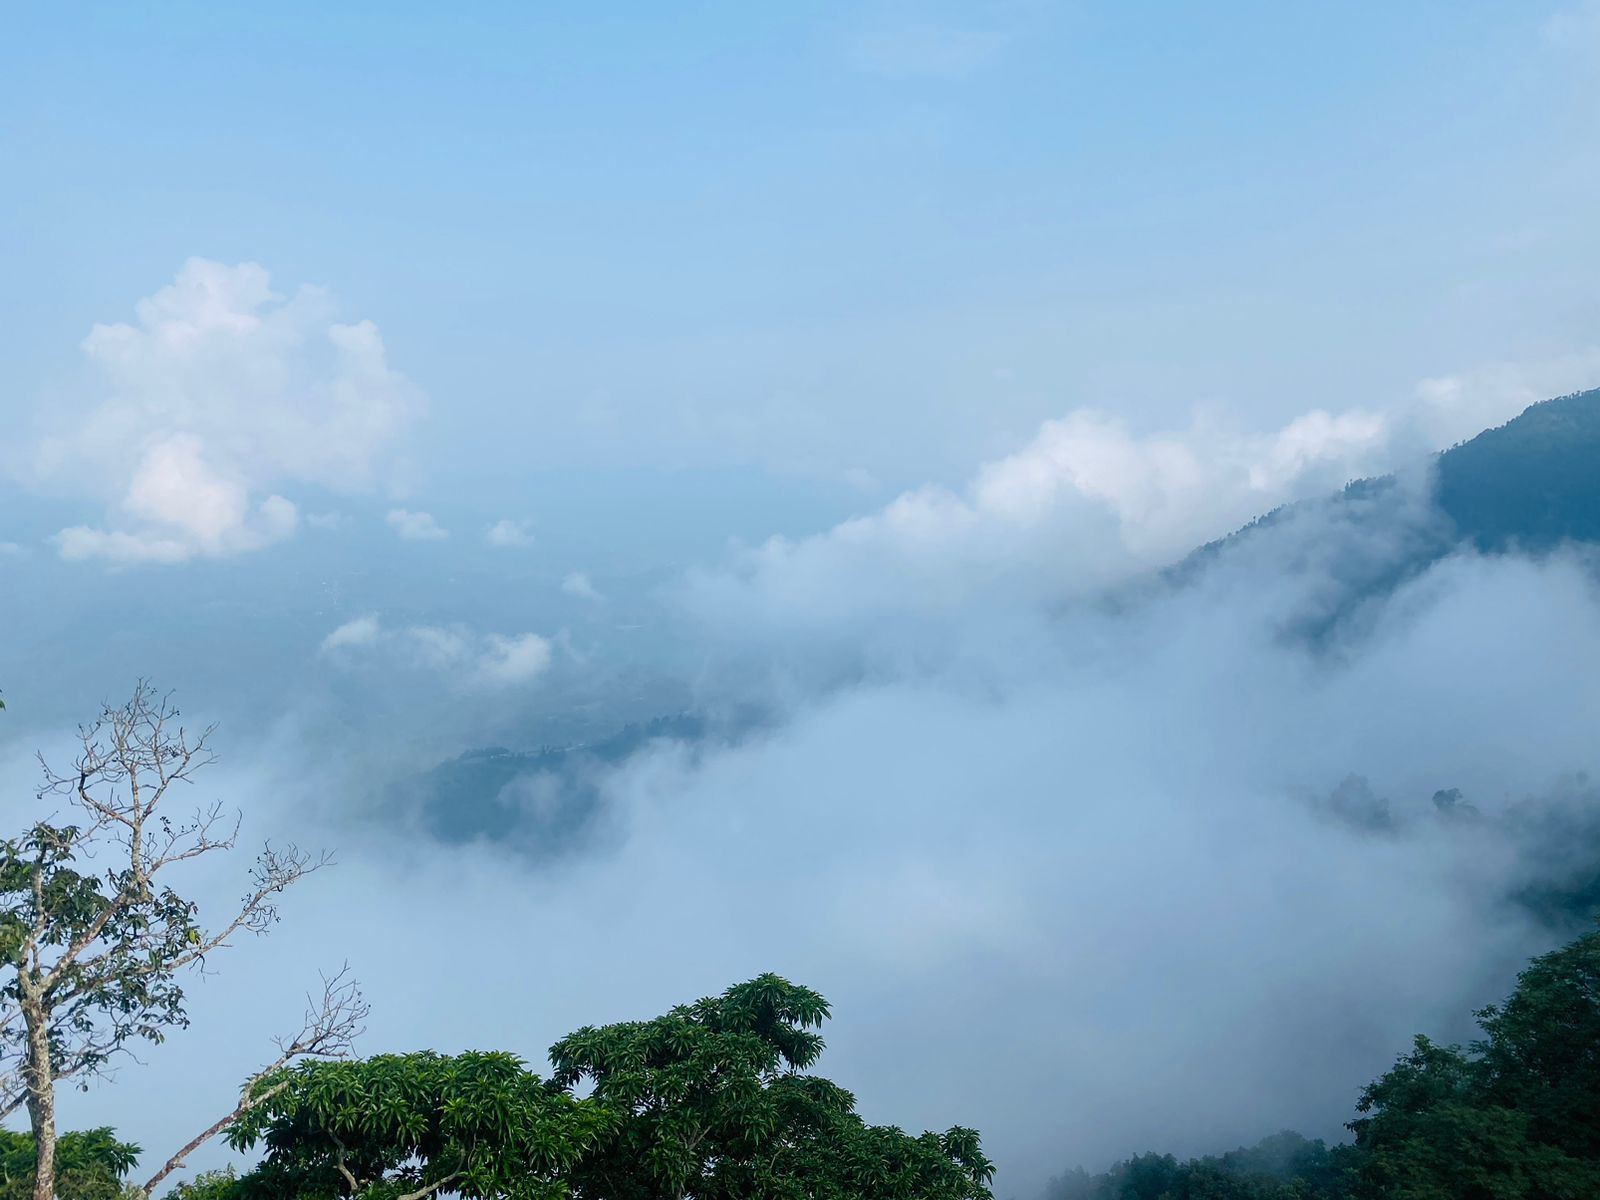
(90, 1165)
(1285, 1166)
(90, 962)
(712, 1104)
(709, 1102)
(477, 1125)
(208, 1185)
(1541, 1052)
(104, 1000)
(1515, 1116)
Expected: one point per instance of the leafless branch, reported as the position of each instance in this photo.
(437, 1185)
(93, 956)
(332, 1024)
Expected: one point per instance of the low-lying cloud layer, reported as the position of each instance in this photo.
(1069, 872)
(1096, 860)
(1086, 504)
(462, 656)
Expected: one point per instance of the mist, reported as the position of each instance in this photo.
(1075, 872)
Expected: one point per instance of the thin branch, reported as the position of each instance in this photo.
(338, 1162)
(332, 1023)
(424, 1192)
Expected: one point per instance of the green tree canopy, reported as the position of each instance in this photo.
(410, 1125)
(712, 1104)
(90, 1165)
(709, 1102)
(1514, 1117)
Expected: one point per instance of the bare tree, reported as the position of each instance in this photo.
(332, 1023)
(91, 960)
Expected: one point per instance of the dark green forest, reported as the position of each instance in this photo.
(1514, 1115)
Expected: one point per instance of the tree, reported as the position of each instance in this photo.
(1512, 1118)
(331, 1024)
(711, 1103)
(1541, 1049)
(220, 1184)
(407, 1126)
(93, 960)
(708, 1102)
(90, 1165)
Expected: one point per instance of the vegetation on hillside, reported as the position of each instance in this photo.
(1515, 1115)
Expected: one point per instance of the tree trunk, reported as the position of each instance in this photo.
(41, 1084)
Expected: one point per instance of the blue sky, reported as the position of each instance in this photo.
(818, 238)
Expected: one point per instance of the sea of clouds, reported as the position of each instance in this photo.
(1051, 830)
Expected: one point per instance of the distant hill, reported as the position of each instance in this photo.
(1532, 484)
(545, 800)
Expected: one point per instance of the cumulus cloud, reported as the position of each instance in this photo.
(415, 526)
(460, 654)
(219, 392)
(362, 631)
(577, 584)
(1084, 504)
(514, 659)
(506, 533)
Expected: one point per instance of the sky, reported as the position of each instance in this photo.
(395, 382)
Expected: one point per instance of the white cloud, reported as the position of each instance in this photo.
(514, 659)
(1087, 503)
(1107, 878)
(325, 520)
(507, 532)
(182, 509)
(468, 659)
(11, 548)
(415, 526)
(578, 584)
(362, 631)
(1141, 775)
(78, 543)
(219, 393)
(1084, 504)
